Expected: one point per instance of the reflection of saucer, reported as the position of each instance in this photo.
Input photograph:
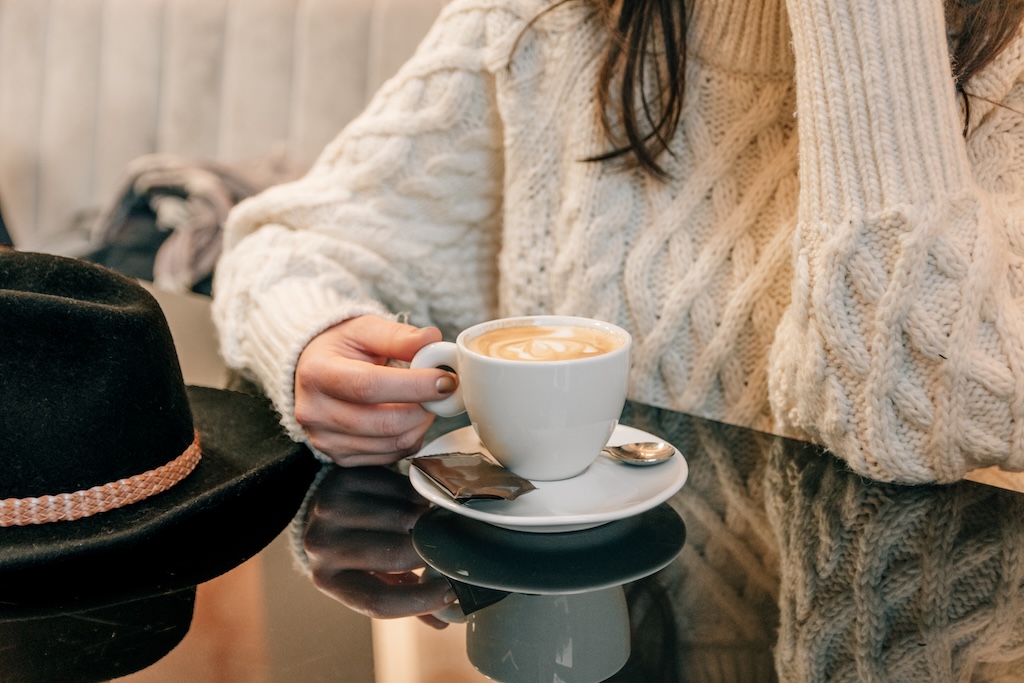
(614, 554)
(605, 492)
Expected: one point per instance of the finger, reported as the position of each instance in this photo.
(368, 595)
(354, 461)
(330, 551)
(432, 621)
(350, 450)
(388, 339)
(378, 420)
(367, 512)
(357, 381)
(379, 482)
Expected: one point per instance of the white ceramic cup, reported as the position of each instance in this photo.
(542, 419)
(577, 638)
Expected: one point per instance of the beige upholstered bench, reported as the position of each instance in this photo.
(88, 85)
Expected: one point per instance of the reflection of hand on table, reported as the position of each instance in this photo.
(357, 542)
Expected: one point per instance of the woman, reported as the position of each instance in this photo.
(786, 203)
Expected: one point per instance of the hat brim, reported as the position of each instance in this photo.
(98, 644)
(247, 487)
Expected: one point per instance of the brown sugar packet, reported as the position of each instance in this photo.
(471, 476)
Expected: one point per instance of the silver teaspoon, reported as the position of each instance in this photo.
(642, 453)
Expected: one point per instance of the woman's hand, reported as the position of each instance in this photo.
(354, 408)
(360, 551)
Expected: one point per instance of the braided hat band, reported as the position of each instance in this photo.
(71, 506)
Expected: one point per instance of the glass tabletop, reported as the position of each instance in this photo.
(773, 562)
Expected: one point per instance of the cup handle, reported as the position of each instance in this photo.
(452, 614)
(436, 355)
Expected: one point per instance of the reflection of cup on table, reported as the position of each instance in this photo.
(541, 608)
(575, 638)
(544, 393)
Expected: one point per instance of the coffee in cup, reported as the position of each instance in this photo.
(544, 393)
(544, 342)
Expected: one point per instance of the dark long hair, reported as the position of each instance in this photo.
(640, 116)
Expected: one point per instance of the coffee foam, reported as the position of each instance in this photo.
(544, 342)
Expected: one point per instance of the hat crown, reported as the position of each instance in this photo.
(91, 390)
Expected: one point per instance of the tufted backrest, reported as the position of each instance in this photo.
(88, 85)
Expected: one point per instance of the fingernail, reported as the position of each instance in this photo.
(446, 384)
(450, 597)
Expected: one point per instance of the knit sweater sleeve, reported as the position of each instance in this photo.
(398, 216)
(903, 347)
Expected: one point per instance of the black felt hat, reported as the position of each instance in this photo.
(117, 479)
(93, 645)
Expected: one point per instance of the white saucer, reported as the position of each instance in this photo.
(605, 492)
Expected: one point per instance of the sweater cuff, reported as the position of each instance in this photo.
(879, 122)
(280, 325)
(297, 527)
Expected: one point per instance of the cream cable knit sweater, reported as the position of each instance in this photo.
(872, 295)
(885, 583)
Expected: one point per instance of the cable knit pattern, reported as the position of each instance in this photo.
(902, 348)
(882, 275)
(723, 587)
(886, 583)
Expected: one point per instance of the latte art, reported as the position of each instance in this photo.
(544, 343)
